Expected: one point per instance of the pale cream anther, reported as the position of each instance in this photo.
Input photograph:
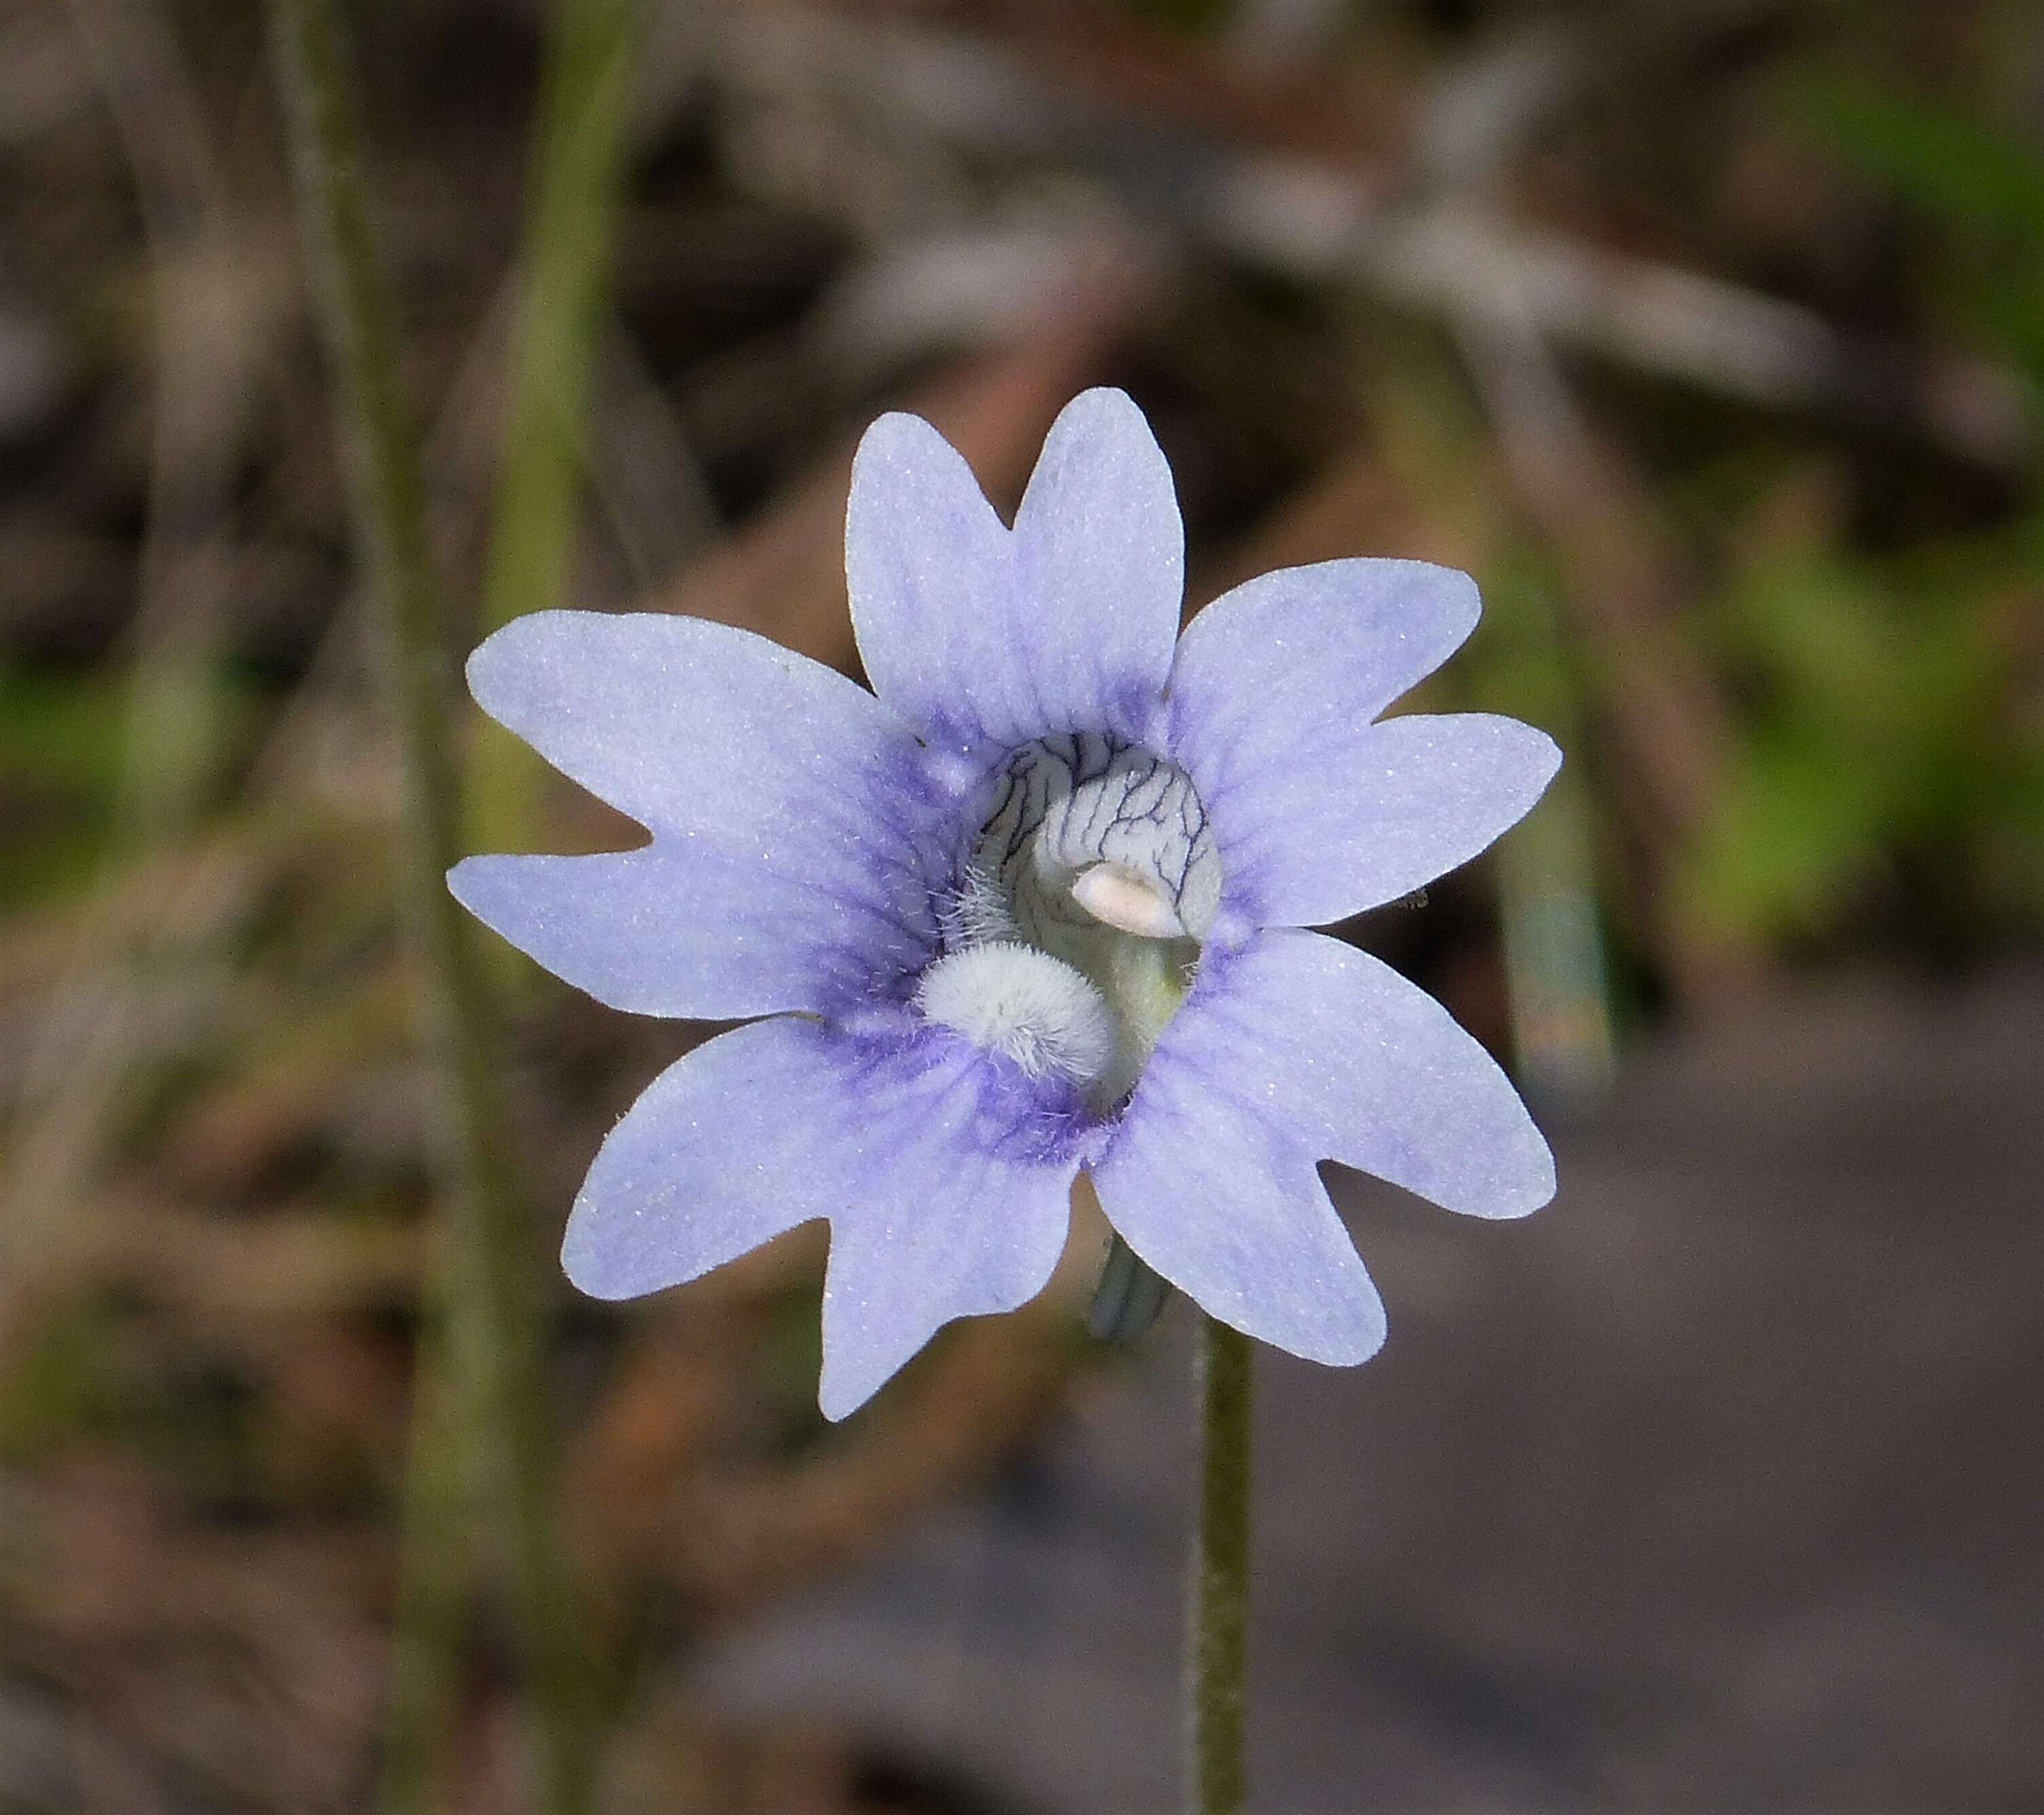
(1120, 898)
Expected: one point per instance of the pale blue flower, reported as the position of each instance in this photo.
(1034, 904)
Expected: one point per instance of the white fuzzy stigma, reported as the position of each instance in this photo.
(1030, 1007)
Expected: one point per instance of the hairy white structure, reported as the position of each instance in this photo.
(977, 914)
(1033, 1008)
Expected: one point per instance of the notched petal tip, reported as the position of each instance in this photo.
(1544, 756)
(499, 668)
(1100, 450)
(1347, 1327)
(486, 885)
(1435, 607)
(1451, 597)
(1524, 1182)
(1526, 762)
(1103, 410)
(599, 1256)
(464, 879)
(976, 631)
(866, 1347)
(1352, 1348)
(592, 1268)
(903, 445)
(1505, 759)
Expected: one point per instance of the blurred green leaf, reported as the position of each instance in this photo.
(64, 736)
(1981, 182)
(1796, 829)
(1943, 159)
(1878, 733)
(65, 1385)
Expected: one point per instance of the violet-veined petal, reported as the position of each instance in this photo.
(1204, 1180)
(1321, 813)
(1405, 800)
(1294, 1048)
(1100, 554)
(1363, 1067)
(691, 727)
(688, 929)
(791, 826)
(1304, 651)
(980, 635)
(946, 1188)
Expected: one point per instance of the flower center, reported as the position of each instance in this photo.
(1075, 928)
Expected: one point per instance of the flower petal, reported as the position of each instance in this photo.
(1407, 800)
(684, 724)
(1365, 1067)
(1294, 1048)
(947, 1195)
(1319, 812)
(691, 931)
(976, 634)
(1215, 1195)
(786, 806)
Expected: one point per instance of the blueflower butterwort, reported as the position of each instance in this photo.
(1037, 902)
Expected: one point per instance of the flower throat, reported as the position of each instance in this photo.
(1075, 930)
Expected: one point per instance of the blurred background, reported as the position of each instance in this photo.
(1706, 333)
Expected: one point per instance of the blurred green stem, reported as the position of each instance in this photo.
(1217, 1611)
(1555, 972)
(491, 1399)
(427, 1631)
(1129, 1298)
(1556, 982)
(585, 96)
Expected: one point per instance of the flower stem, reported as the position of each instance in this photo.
(1129, 1299)
(587, 89)
(426, 1636)
(1217, 1608)
(584, 105)
(490, 1396)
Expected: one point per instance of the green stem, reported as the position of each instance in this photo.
(427, 1632)
(584, 108)
(493, 1396)
(1217, 1611)
(1129, 1299)
(1556, 985)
